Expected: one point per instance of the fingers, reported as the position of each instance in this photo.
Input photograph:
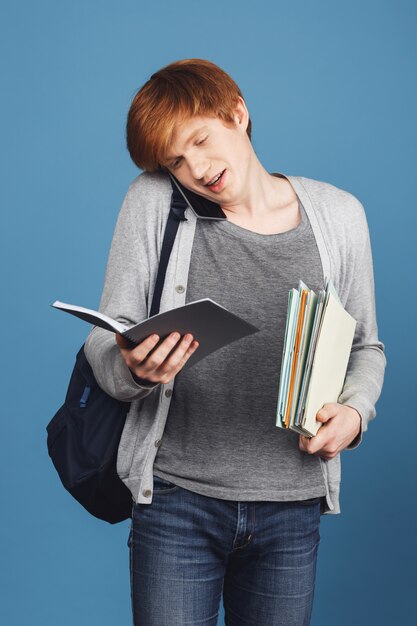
(318, 442)
(308, 445)
(161, 363)
(168, 359)
(322, 444)
(303, 443)
(163, 352)
(192, 347)
(134, 356)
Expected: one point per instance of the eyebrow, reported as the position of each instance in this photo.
(189, 140)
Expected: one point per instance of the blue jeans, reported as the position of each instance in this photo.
(187, 549)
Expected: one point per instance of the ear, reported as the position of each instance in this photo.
(241, 114)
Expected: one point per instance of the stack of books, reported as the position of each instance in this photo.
(318, 340)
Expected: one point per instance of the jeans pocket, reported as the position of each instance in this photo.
(161, 485)
(309, 501)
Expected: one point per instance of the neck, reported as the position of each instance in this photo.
(262, 194)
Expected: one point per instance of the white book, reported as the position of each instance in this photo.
(330, 361)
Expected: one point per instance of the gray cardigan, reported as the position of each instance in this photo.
(339, 224)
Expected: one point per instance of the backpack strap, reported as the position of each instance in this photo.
(176, 215)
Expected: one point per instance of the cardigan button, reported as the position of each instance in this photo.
(180, 289)
(158, 443)
(168, 393)
(147, 493)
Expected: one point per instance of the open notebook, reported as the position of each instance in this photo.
(210, 323)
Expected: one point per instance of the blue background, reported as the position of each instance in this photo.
(331, 90)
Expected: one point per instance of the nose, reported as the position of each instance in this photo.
(199, 166)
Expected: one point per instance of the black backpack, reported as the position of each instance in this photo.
(84, 435)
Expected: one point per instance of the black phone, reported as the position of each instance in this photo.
(201, 206)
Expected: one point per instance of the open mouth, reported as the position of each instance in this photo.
(216, 180)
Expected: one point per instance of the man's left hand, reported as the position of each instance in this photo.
(341, 424)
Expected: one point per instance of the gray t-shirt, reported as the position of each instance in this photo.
(220, 438)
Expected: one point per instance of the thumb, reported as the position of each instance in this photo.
(302, 443)
(122, 342)
(324, 414)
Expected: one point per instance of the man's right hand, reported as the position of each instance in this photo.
(165, 361)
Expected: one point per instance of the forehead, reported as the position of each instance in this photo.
(184, 128)
(185, 131)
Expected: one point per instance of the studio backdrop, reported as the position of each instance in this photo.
(331, 91)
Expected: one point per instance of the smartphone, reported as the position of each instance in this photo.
(202, 207)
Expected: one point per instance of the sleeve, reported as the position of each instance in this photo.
(124, 298)
(367, 362)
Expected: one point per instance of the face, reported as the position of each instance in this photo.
(203, 147)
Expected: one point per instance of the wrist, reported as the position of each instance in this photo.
(141, 381)
(358, 422)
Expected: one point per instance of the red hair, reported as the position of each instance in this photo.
(173, 94)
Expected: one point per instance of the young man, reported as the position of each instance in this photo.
(223, 501)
